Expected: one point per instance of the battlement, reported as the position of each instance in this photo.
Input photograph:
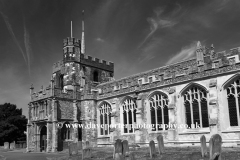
(57, 66)
(71, 42)
(41, 94)
(213, 64)
(95, 62)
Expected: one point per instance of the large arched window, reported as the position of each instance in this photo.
(129, 115)
(233, 91)
(159, 111)
(105, 118)
(196, 106)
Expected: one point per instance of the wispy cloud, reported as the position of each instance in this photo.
(157, 22)
(27, 46)
(186, 52)
(9, 27)
(99, 39)
(149, 51)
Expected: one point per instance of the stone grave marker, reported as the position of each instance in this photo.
(215, 147)
(73, 149)
(86, 153)
(160, 144)
(125, 148)
(6, 145)
(152, 149)
(12, 145)
(118, 150)
(203, 146)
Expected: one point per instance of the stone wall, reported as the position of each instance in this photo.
(217, 112)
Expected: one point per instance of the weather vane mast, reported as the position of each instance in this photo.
(71, 29)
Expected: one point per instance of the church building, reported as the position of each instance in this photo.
(201, 93)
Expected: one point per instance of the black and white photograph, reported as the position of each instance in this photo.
(119, 79)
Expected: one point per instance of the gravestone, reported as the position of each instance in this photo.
(6, 145)
(118, 150)
(215, 147)
(125, 148)
(203, 146)
(152, 149)
(12, 145)
(160, 144)
(86, 153)
(73, 149)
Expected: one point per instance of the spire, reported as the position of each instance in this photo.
(71, 29)
(83, 39)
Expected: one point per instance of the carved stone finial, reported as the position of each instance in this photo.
(31, 86)
(212, 46)
(52, 80)
(199, 45)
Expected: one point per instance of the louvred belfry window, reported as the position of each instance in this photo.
(159, 111)
(233, 91)
(129, 115)
(196, 107)
(105, 118)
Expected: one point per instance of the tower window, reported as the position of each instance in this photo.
(95, 76)
(61, 81)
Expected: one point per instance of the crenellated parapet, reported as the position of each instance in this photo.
(71, 42)
(42, 94)
(95, 62)
(208, 63)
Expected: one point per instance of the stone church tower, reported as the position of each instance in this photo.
(69, 99)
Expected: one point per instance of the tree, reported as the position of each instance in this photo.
(12, 124)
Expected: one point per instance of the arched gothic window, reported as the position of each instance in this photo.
(159, 111)
(129, 115)
(196, 107)
(233, 91)
(105, 118)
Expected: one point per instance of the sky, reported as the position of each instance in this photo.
(137, 35)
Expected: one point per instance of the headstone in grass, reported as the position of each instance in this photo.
(160, 144)
(203, 146)
(215, 147)
(152, 149)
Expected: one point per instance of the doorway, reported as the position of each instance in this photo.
(43, 139)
